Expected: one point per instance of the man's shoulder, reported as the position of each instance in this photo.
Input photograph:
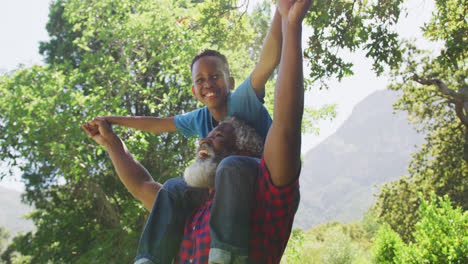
(272, 217)
(266, 184)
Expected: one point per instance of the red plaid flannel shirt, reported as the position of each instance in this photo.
(272, 219)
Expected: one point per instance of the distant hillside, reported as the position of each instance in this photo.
(12, 211)
(339, 175)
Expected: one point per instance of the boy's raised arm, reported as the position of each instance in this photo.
(269, 57)
(283, 143)
(145, 123)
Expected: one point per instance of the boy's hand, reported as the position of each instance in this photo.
(100, 130)
(294, 11)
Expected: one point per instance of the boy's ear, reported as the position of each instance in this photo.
(232, 83)
(193, 91)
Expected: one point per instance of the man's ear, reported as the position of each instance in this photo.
(232, 82)
(193, 91)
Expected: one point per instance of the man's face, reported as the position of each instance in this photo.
(222, 139)
(219, 144)
(211, 82)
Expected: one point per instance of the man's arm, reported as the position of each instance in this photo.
(133, 175)
(283, 143)
(145, 123)
(269, 57)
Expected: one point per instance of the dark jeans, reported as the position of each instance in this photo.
(229, 220)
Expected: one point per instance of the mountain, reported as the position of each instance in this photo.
(339, 176)
(12, 212)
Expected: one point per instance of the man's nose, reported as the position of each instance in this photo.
(204, 140)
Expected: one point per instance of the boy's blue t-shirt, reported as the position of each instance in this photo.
(242, 103)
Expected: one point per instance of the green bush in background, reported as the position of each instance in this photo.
(332, 242)
(441, 236)
(338, 250)
(388, 245)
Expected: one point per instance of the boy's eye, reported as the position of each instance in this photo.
(216, 76)
(199, 81)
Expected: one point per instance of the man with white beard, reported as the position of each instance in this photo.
(276, 189)
(201, 173)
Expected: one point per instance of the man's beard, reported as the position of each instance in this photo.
(201, 173)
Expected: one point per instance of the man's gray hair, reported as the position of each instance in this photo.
(247, 139)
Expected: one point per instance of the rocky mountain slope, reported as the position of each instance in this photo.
(339, 176)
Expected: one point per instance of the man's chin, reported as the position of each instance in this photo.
(201, 173)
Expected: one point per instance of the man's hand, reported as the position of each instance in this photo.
(293, 11)
(133, 175)
(101, 131)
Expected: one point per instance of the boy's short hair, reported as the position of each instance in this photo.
(213, 53)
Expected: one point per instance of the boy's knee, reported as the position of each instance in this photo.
(238, 163)
(175, 185)
(229, 162)
(235, 167)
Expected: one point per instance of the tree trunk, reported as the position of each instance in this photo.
(465, 147)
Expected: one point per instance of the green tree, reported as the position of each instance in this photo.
(340, 27)
(60, 49)
(433, 88)
(107, 57)
(434, 93)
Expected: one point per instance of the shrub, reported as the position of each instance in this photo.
(441, 235)
(387, 245)
(370, 224)
(338, 250)
(295, 247)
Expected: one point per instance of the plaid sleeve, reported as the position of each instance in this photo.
(272, 217)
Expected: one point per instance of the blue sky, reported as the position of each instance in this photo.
(22, 26)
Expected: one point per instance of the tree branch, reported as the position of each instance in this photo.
(442, 87)
(461, 105)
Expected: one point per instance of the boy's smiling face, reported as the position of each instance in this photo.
(212, 82)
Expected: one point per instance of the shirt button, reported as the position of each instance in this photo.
(191, 260)
(193, 230)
